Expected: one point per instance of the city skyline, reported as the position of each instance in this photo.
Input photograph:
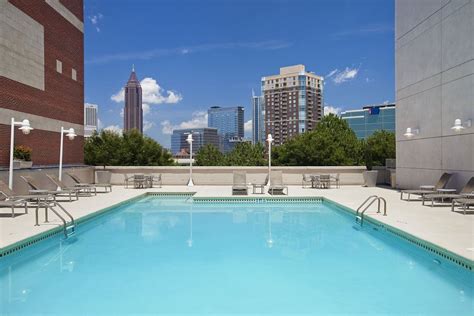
(182, 76)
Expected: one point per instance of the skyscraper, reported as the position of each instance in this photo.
(229, 122)
(293, 102)
(201, 137)
(258, 118)
(133, 112)
(90, 119)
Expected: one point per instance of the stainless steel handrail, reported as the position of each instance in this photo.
(373, 198)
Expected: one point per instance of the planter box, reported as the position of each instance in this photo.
(20, 164)
(103, 177)
(370, 178)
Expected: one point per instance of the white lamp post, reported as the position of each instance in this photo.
(410, 132)
(190, 142)
(25, 128)
(70, 134)
(269, 140)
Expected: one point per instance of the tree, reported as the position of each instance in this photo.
(246, 154)
(331, 143)
(380, 146)
(129, 149)
(209, 155)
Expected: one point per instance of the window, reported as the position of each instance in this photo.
(74, 74)
(59, 66)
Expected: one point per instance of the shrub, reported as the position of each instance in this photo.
(22, 153)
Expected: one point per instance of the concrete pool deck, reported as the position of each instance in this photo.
(438, 225)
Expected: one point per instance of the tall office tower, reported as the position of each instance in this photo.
(229, 123)
(90, 119)
(133, 112)
(258, 117)
(42, 77)
(201, 137)
(293, 102)
(371, 118)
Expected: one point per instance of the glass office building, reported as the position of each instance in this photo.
(369, 119)
(201, 137)
(229, 122)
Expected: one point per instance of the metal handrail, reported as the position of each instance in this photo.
(50, 205)
(374, 198)
(363, 203)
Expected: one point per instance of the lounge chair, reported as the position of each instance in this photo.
(239, 186)
(36, 189)
(467, 189)
(260, 186)
(307, 179)
(276, 184)
(428, 189)
(79, 187)
(463, 203)
(10, 199)
(106, 186)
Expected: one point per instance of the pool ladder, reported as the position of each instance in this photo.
(69, 228)
(366, 204)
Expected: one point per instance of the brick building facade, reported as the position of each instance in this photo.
(42, 77)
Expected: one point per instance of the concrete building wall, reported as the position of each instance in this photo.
(434, 86)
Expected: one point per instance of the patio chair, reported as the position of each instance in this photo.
(260, 186)
(239, 186)
(468, 189)
(428, 189)
(107, 186)
(139, 181)
(335, 180)
(128, 179)
(325, 181)
(35, 188)
(276, 184)
(463, 203)
(9, 198)
(307, 179)
(156, 179)
(79, 187)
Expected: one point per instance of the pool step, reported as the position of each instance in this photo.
(70, 230)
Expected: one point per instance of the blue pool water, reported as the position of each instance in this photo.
(172, 256)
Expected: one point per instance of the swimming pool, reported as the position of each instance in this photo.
(172, 255)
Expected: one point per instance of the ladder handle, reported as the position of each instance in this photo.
(370, 197)
(62, 218)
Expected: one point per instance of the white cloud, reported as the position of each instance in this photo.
(347, 74)
(99, 124)
(95, 19)
(147, 125)
(331, 109)
(114, 128)
(198, 119)
(152, 93)
(248, 126)
(121, 112)
(145, 108)
(331, 73)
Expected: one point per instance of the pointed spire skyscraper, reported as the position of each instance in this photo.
(133, 112)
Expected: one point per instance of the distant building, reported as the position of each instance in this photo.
(133, 112)
(229, 122)
(293, 102)
(201, 137)
(258, 118)
(90, 119)
(371, 118)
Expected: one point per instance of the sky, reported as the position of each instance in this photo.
(194, 54)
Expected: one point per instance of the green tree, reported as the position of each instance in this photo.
(246, 154)
(130, 149)
(331, 143)
(380, 146)
(209, 155)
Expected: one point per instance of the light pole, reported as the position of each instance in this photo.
(269, 140)
(190, 142)
(70, 134)
(25, 128)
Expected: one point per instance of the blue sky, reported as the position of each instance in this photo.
(196, 54)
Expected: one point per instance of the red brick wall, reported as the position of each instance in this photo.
(45, 147)
(63, 98)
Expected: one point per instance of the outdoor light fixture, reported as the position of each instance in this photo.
(270, 141)
(459, 126)
(71, 135)
(411, 132)
(26, 129)
(190, 142)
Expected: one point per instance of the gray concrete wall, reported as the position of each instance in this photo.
(223, 175)
(434, 86)
(20, 187)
